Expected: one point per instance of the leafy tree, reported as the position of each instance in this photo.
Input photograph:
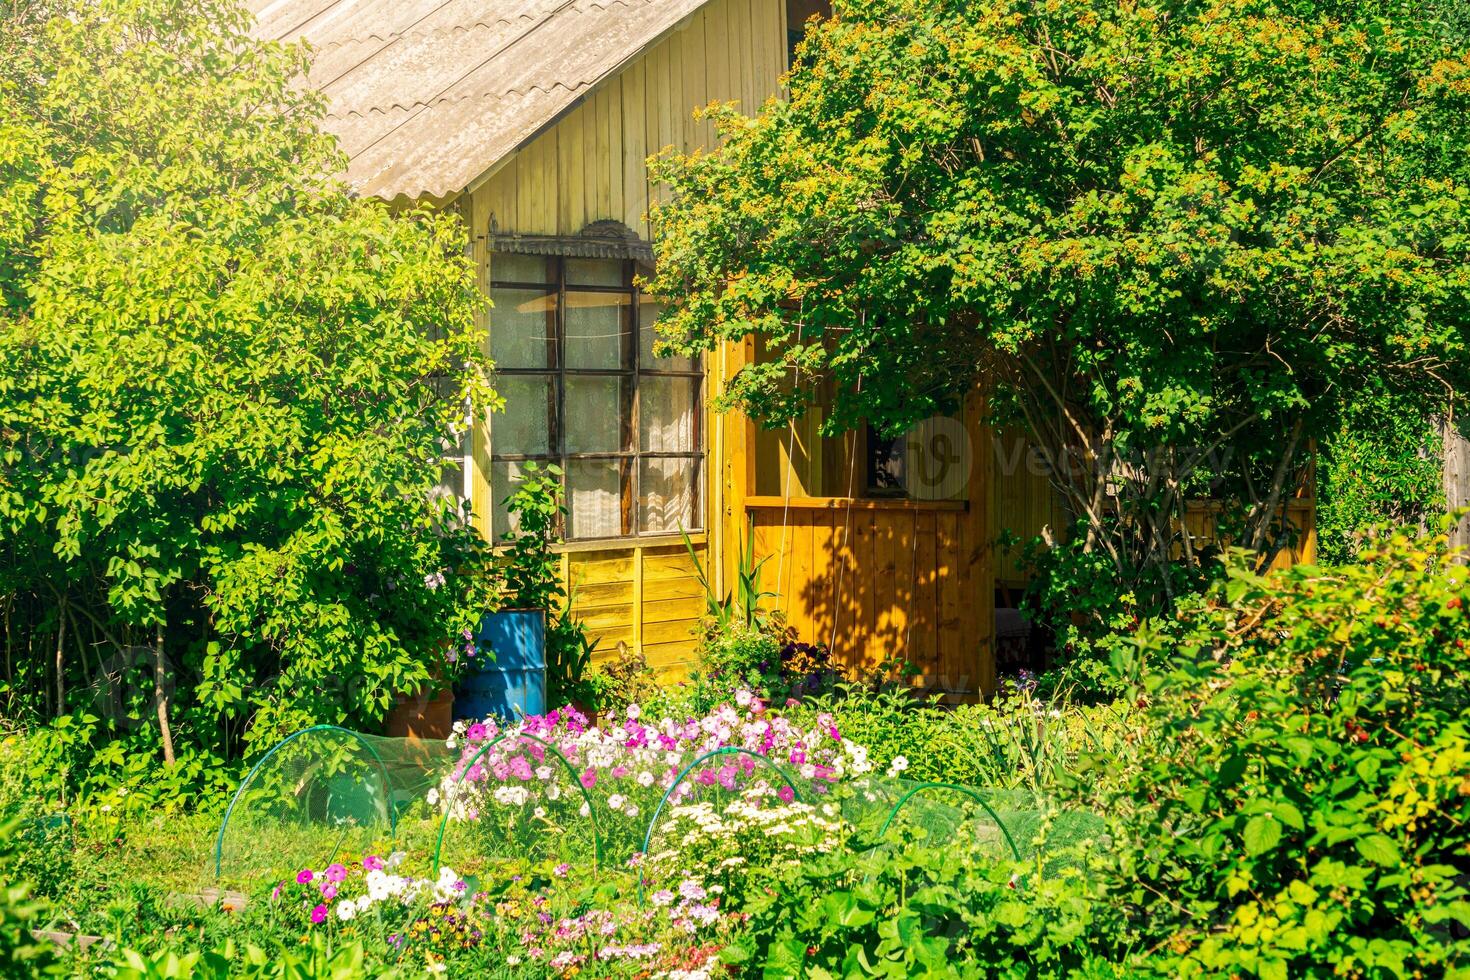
(227, 388)
(1175, 239)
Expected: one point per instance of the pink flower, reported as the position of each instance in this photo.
(589, 778)
(319, 914)
(561, 870)
(329, 891)
(372, 863)
(475, 732)
(786, 793)
(335, 872)
(304, 876)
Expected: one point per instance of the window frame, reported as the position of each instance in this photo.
(632, 372)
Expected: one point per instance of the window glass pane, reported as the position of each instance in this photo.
(669, 492)
(523, 427)
(597, 414)
(886, 463)
(648, 314)
(522, 325)
(595, 494)
(450, 485)
(509, 267)
(597, 330)
(667, 417)
(504, 478)
(595, 272)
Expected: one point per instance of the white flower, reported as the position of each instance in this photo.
(433, 797)
(898, 765)
(634, 711)
(645, 779)
(742, 697)
(631, 809)
(346, 909)
(615, 801)
(395, 859)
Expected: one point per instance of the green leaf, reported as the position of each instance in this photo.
(1378, 849)
(1261, 834)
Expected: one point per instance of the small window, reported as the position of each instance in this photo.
(931, 460)
(573, 343)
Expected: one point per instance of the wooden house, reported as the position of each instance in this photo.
(534, 119)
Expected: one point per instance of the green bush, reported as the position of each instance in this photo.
(927, 910)
(1301, 804)
(1383, 465)
(1014, 742)
(20, 954)
(227, 390)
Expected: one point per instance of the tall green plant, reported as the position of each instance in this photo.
(1299, 804)
(227, 387)
(741, 605)
(533, 579)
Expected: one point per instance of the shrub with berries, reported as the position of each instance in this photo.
(1308, 770)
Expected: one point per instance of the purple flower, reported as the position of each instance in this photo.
(319, 914)
(786, 793)
(304, 876)
(329, 890)
(335, 872)
(561, 870)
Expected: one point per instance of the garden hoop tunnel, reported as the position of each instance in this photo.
(315, 730)
(549, 750)
(683, 774)
(968, 791)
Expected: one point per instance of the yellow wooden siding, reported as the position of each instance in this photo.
(590, 166)
(1025, 501)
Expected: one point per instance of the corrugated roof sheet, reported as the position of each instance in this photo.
(427, 95)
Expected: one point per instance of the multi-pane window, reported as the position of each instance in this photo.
(572, 339)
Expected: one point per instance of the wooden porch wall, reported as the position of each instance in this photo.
(1026, 503)
(887, 579)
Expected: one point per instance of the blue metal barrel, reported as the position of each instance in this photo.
(508, 679)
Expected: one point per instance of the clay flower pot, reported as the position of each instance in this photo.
(418, 715)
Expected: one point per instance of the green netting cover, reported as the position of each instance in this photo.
(326, 793)
(489, 803)
(729, 809)
(515, 800)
